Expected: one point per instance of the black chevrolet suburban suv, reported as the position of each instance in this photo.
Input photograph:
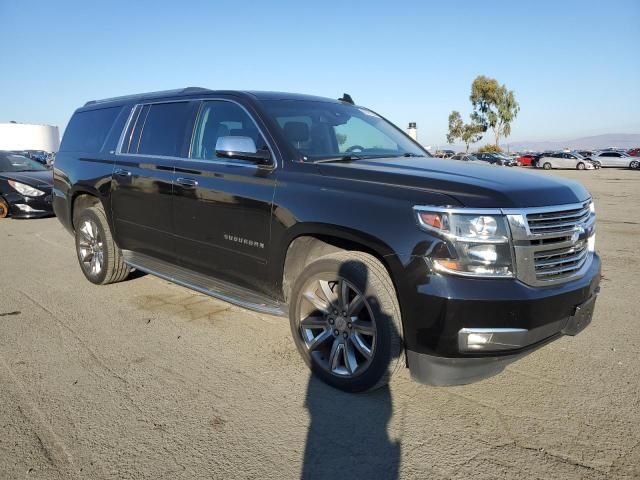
(380, 254)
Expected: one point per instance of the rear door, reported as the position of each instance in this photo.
(222, 206)
(142, 181)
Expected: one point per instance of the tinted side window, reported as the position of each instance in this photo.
(164, 129)
(222, 119)
(88, 130)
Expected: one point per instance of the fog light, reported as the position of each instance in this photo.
(478, 340)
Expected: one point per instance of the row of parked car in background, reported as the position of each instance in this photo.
(573, 159)
(45, 158)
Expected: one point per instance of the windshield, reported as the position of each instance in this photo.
(325, 130)
(18, 163)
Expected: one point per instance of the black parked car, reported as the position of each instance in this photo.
(25, 187)
(325, 212)
(496, 159)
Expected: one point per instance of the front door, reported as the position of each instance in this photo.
(222, 207)
(142, 181)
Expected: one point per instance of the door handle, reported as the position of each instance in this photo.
(122, 172)
(187, 182)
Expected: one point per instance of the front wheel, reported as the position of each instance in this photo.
(634, 164)
(99, 257)
(580, 166)
(546, 166)
(596, 164)
(345, 320)
(4, 208)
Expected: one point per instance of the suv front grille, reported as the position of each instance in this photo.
(562, 263)
(558, 221)
(551, 244)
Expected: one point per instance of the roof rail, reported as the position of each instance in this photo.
(161, 93)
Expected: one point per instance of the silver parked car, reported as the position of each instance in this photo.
(565, 160)
(615, 159)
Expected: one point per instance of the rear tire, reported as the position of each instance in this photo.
(580, 166)
(346, 322)
(596, 164)
(99, 257)
(546, 166)
(4, 208)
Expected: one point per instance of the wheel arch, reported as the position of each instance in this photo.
(308, 242)
(83, 198)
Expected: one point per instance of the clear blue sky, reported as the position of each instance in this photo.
(574, 65)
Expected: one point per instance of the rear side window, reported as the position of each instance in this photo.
(162, 128)
(88, 130)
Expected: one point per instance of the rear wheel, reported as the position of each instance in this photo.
(546, 166)
(580, 166)
(596, 164)
(4, 208)
(345, 320)
(99, 257)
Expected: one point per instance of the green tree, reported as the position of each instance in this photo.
(494, 105)
(467, 132)
(489, 148)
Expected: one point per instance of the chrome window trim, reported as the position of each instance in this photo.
(202, 100)
(118, 150)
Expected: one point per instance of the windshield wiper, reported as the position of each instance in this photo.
(348, 158)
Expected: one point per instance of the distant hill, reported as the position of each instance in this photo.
(617, 140)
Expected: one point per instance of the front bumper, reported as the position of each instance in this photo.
(22, 206)
(460, 330)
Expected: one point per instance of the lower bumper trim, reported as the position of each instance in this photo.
(442, 371)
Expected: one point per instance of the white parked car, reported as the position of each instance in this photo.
(565, 160)
(615, 159)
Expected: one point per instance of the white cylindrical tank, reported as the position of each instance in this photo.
(412, 130)
(25, 136)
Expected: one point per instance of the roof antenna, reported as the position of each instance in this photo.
(346, 98)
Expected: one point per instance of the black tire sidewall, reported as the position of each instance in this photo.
(546, 166)
(382, 356)
(90, 214)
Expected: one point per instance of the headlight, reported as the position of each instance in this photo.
(26, 189)
(472, 244)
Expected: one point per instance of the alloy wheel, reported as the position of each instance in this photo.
(91, 247)
(337, 326)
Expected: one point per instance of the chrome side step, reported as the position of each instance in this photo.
(220, 289)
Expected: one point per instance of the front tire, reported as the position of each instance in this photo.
(546, 166)
(580, 166)
(346, 322)
(99, 257)
(634, 164)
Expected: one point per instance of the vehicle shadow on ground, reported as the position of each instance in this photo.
(347, 435)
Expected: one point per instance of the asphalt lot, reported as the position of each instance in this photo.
(145, 379)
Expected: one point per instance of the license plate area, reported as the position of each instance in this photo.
(581, 317)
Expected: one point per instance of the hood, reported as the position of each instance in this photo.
(40, 178)
(474, 184)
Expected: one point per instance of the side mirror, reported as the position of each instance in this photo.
(243, 148)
